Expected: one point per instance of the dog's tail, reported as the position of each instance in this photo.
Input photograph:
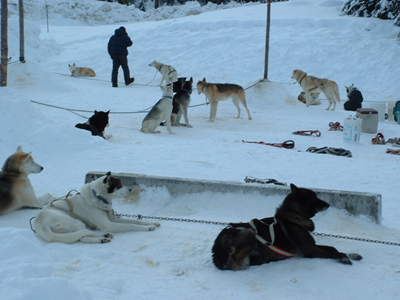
(337, 95)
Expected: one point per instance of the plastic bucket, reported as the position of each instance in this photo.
(380, 107)
(352, 129)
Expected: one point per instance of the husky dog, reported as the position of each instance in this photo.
(311, 84)
(96, 124)
(16, 190)
(81, 71)
(180, 104)
(168, 73)
(354, 98)
(216, 92)
(271, 239)
(87, 216)
(161, 111)
(314, 96)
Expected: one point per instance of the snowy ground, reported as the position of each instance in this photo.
(174, 262)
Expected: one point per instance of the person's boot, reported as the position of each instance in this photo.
(130, 81)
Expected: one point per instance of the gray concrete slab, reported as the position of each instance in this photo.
(356, 203)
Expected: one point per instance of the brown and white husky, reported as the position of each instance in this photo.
(16, 190)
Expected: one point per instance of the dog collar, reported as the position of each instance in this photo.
(187, 91)
(167, 97)
(100, 197)
(302, 79)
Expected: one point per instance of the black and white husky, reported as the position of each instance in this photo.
(96, 124)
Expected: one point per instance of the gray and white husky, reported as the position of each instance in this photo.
(160, 112)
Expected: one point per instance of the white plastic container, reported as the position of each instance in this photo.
(380, 107)
(352, 129)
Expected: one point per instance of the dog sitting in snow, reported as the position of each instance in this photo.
(87, 216)
(354, 98)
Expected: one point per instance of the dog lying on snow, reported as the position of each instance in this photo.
(315, 101)
(87, 216)
(96, 124)
(16, 190)
(81, 71)
(271, 239)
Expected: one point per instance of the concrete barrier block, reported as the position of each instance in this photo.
(356, 203)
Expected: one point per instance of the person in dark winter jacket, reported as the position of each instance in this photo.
(354, 98)
(118, 50)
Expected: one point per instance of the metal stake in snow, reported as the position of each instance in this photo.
(267, 40)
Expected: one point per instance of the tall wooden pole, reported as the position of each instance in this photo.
(21, 32)
(4, 43)
(267, 40)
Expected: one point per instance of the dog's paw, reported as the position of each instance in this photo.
(354, 256)
(344, 259)
(106, 240)
(107, 136)
(157, 224)
(152, 227)
(189, 126)
(46, 199)
(171, 132)
(108, 235)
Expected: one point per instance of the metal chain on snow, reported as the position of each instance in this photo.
(140, 217)
(355, 239)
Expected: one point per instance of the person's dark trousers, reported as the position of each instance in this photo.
(120, 60)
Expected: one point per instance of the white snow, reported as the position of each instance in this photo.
(223, 45)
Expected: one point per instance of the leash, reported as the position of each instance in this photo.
(140, 217)
(73, 110)
(335, 126)
(289, 144)
(307, 132)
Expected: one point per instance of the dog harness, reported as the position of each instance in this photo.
(270, 244)
(71, 211)
(169, 68)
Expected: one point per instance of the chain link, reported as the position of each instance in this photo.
(355, 239)
(140, 217)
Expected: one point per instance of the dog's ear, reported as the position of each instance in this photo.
(108, 112)
(293, 187)
(107, 176)
(204, 79)
(191, 80)
(19, 148)
(95, 112)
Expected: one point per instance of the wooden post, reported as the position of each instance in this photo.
(4, 43)
(267, 41)
(21, 32)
